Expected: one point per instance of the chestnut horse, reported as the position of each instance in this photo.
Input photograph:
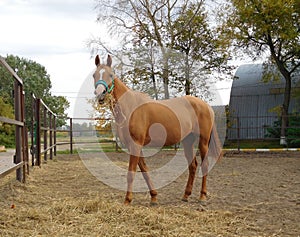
(142, 121)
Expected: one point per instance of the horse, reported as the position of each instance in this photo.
(142, 121)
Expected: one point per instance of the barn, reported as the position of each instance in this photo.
(252, 102)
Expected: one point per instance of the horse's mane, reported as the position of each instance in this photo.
(142, 95)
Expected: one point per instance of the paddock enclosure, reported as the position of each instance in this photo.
(250, 194)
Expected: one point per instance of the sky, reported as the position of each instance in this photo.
(54, 33)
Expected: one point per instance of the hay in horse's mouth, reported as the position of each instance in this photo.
(101, 102)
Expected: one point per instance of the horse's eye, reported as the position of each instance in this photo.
(111, 75)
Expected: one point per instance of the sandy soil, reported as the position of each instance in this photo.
(263, 188)
(250, 194)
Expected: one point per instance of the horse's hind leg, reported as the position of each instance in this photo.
(192, 162)
(144, 169)
(203, 147)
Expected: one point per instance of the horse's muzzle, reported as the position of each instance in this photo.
(100, 98)
(100, 93)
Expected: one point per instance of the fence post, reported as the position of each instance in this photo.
(33, 129)
(71, 135)
(45, 133)
(18, 135)
(54, 134)
(24, 136)
(50, 135)
(238, 132)
(38, 131)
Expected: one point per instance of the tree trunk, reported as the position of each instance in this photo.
(187, 76)
(285, 109)
(165, 76)
(153, 72)
(187, 87)
(154, 82)
(287, 91)
(166, 84)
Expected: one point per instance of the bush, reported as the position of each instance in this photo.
(7, 131)
(292, 132)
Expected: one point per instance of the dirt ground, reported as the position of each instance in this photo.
(250, 194)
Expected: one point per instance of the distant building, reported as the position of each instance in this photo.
(252, 102)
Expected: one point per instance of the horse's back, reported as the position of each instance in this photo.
(193, 113)
(179, 117)
(191, 104)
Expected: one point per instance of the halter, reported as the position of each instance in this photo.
(102, 82)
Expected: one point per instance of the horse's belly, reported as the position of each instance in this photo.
(158, 124)
(160, 134)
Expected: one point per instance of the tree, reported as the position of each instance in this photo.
(36, 80)
(153, 24)
(144, 59)
(58, 105)
(202, 47)
(6, 130)
(268, 28)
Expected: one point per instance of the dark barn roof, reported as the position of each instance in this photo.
(252, 100)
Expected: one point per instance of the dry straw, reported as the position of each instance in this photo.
(63, 199)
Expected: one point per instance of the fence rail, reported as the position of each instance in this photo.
(44, 132)
(43, 121)
(263, 129)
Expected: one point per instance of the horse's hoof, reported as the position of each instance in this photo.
(184, 199)
(127, 202)
(153, 204)
(203, 201)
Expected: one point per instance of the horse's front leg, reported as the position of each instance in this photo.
(133, 161)
(144, 169)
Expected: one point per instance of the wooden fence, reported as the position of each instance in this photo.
(43, 132)
(20, 159)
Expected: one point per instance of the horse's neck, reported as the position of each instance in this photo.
(120, 89)
(125, 99)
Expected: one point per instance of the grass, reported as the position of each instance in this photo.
(248, 144)
(67, 152)
(110, 147)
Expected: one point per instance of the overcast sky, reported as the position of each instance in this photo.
(54, 34)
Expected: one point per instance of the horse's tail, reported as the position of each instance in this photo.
(213, 154)
(215, 151)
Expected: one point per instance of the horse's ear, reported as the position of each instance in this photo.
(97, 60)
(109, 60)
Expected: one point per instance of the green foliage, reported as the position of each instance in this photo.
(196, 38)
(201, 49)
(7, 131)
(260, 23)
(36, 80)
(293, 130)
(58, 105)
(267, 29)
(252, 144)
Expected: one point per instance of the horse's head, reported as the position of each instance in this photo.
(103, 78)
